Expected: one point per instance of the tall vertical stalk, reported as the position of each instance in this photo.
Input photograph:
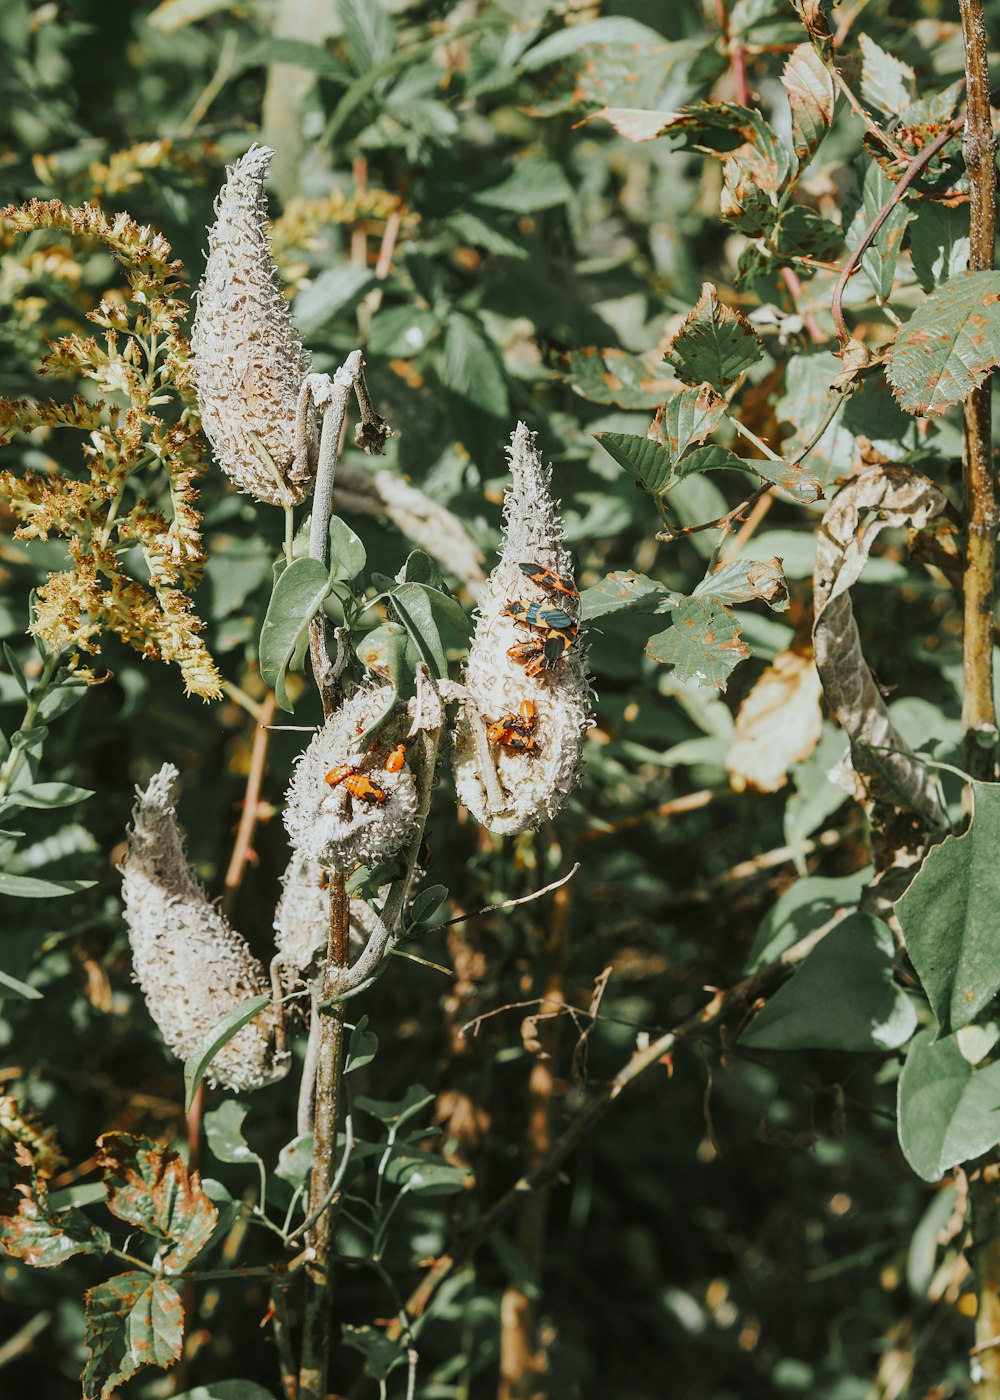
(979, 149)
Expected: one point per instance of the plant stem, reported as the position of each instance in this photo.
(984, 1216)
(11, 764)
(316, 1323)
(979, 149)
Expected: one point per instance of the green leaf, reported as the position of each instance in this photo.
(44, 795)
(362, 1047)
(369, 32)
(396, 1112)
(426, 908)
(297, 52)
(149, 1186)
(471, 367)
(348, 555)
(29, 887)
(533, 184)
(578, 38)
(799, 483)
(212, 1042)
(616, 377)
(133, 1320)
(812, 97)
(625, 591)
(324, 298)
(32, 1228)
(938, 239)
(703, 645)
(949, 345)
(224, 1132)
(400, 332)
(947, 1112)
(295, 1159)
(804, 906)
(886, 81)
(746, 581)
(948, 916)
(11, 986)
(383, 651)
(688, 417)
(842, 997)
(424, 1174)
(715, 345)
(646, 461)
(298, 595)
(227, 1390)
(421, 607)
(879, 259)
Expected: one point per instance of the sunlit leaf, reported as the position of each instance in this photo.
(949, 345)
(133, 1320)
(947, 1112)
(715, 345)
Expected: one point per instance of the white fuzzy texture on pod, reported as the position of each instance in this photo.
(247, 359)
(535, 784)
(191, 964)
(329, 825)
(302, 921)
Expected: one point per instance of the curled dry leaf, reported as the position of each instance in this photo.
(779, 723)
(881, 769)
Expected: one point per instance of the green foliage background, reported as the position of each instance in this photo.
(744, 1226)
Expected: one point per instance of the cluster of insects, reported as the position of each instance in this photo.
(555, 632)
(359, 784)
(556, 629)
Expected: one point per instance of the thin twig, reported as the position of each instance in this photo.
(913, 169)
(250, 815)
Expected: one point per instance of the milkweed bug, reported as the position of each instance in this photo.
(396, 759)
(550, 580)
(515, 731)
(359, 785)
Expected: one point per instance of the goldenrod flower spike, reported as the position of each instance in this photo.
(191, 964)
(248, 361)
(507, 787)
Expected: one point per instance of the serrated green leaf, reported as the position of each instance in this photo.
(616, 377)
(715, 345)
(703, 645)
(887, 83)
(948, 916)
(402, 332)
(746, 581)
(801, 484)
(134, 1320)
(879, 259)
(298, 595)
(688, 417)
(947, 1112)
(647, 462)
(842, 997)
(949, 345)
(212, 1042)
(938, 239)
(812, 97)
(369, 32)
(149, 1186)
(625, 591)
(533, 184)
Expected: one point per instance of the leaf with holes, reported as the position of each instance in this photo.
(949, 345)
(703, 645)
(149, 1186)
(948, 916)
(134, 1320)
(715, 345)
(812, 98)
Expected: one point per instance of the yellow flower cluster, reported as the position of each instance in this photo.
(148, 450)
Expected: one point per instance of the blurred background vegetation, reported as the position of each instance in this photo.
(743, 1225)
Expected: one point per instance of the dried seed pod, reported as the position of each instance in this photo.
(191, 964)
(510, 786)
(302, 921)
(247, 359)
(344, 807)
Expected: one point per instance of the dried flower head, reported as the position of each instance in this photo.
(344, 806)
(515, 784)
(302, 921)
(248, 360)
(192, 966)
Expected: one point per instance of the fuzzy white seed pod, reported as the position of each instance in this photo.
(247, 359)
(191, 964)
(504, 788)
(302, 921)
(328, 822)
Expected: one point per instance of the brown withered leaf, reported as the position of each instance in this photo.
(812, 98)
(778, 724)
(149, 1186)
(882, 770)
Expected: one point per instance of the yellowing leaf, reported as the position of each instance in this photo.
(812, 98)
(778, 724)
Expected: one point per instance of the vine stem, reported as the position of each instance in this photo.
(979, 720)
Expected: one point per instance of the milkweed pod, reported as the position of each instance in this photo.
(247, 359)
(509, 788)
(192, 965)
(343, 807)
